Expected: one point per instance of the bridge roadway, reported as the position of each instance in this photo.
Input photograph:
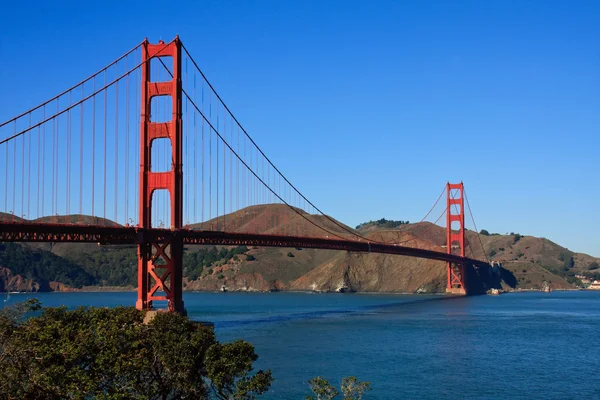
(105, 235)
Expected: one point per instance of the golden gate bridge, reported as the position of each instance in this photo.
(146, 152)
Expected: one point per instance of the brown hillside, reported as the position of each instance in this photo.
(531, 260)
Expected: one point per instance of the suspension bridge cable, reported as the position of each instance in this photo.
(58, 113)
(211, 126)
(425, 217)
(458, 213)
(475, 225)
(426, 230)
(71, 88)
(265, 156)
(243, 162)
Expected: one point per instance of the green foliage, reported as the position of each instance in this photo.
(110, 265)
(228, 366)
(484, 232)
(492, 253)
(321, 389)
(593, 265)
(567, 259)
(250, 257)
(195, 262)
(501, 249)
(111, 354)
(383, 223)
(221, 276)
(351, 388)
(290, 254)
(516, 237)
(42, 266)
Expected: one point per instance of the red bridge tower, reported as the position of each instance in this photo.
(455, 236)
(160, 256)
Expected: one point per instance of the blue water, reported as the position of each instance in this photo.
(513, 346)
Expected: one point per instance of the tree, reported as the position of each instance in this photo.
(322, 389)
(516, 237)
(227, 367)
(112, 354)
(593, 265)
(484, 232)
(352, 389)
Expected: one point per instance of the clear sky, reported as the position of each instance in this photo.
(369, 107)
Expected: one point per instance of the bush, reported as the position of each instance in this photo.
(516, 238)
(352, 389)
(593, 265)
(290, 254)
(492, 253)
(484, 232)
(250, 257)
(111, 353)
(221, 276)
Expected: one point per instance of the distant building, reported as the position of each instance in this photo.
(595, 285)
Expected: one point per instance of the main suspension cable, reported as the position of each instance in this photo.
(475, 225)
(265, 156)
(73, 87)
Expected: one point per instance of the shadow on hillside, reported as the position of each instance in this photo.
(508, 277)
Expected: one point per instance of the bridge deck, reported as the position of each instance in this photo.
(32, 232)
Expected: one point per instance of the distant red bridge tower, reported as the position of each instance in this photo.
(455, 236)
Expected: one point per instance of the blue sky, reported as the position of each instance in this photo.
(369, 107)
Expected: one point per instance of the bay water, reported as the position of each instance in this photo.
(513, 346)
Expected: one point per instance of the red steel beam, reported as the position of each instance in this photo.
(32, 232)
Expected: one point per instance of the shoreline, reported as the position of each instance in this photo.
(116, 289)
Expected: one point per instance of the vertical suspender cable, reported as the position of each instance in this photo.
(195, 160)
(54, 127)
(39, 180)
(224, 169)
(116, 154)
(81, 156)
(217, 143)
(29, 171)
(105, 110)
(231, 173)
(237, 181)
(68, 157)
(93, 147)
(127, 122)
(6, 180)
(209, 163)
(43, 172)
(203, 160)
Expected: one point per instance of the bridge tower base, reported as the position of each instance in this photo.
(455, 236)
(160, 256)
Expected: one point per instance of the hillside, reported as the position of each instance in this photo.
(66, 266)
